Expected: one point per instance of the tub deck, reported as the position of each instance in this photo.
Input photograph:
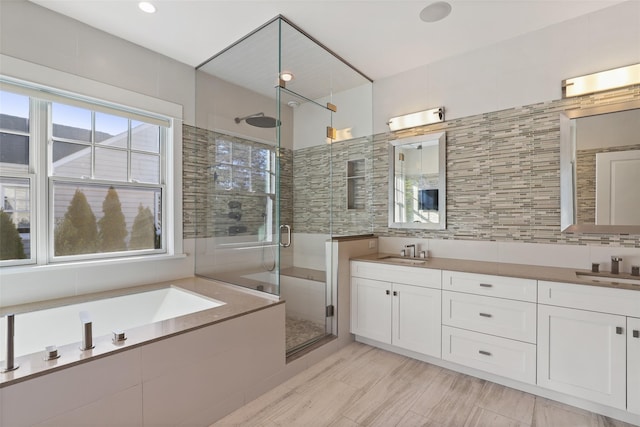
(237, 303)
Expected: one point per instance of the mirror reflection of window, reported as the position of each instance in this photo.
(418, 182)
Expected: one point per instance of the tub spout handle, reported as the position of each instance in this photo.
(10, 362)
(87, 331)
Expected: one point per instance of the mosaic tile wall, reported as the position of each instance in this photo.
(503, 175)
(320, 189)
(503, 179)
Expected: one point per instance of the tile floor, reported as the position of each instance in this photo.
(364, 386)
(300, 331)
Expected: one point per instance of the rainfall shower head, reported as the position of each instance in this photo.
(259, 120)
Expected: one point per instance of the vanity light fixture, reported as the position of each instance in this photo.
(426, 117)
(604, 80)
(147, 7)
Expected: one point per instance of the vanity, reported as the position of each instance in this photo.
(549, 331)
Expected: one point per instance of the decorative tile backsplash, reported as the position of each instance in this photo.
(503, 179)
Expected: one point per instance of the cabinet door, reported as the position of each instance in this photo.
(583, 353)
(633, 365)
(416, 319)
(371, 309)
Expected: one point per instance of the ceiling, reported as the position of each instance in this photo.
(380, 38)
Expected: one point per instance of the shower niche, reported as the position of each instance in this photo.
(276, 113)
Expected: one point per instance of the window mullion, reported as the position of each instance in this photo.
(93, 145)
(39, 145)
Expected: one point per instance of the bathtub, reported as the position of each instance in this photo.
(61, 325)
(190, 359)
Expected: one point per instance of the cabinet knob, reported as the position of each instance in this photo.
(485, 353)
(636, 333)
(619, 330)
(387, 292)
(395, 293)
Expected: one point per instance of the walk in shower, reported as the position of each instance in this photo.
(271, 186)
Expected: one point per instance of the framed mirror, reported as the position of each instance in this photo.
(600, 169)
(417, 182)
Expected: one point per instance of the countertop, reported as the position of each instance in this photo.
(551, 274)
(238, 302)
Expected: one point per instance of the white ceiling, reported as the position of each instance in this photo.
(380, 38)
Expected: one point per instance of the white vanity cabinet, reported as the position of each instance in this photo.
(489, 323)
(397, 305)
(585, 343)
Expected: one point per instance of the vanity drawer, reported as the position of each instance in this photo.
(495, 286)
(495, 316)
(417, 276)
(594, 298)
(500, 356)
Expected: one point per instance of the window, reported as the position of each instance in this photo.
(15, 181)
(244, 178)
(99, 172)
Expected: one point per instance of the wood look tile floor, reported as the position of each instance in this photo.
(362, 385)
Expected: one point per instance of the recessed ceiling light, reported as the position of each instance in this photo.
(147, 7)
(286, 76)
(435, 11)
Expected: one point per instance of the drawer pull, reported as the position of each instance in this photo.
(486, 315)
(486, 285)
(636, 333)
(485, 353)
(619, 330)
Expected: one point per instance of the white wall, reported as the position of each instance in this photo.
(35, 34)
(219, 102)
(44, 47)
(521, 71)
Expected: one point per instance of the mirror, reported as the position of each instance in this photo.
(417, 187)
(600, 169)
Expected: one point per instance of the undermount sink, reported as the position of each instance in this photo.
(599, 278)
(401, 260)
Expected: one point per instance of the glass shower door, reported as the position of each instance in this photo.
(305, 222)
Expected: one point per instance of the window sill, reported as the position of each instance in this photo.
(17, 269)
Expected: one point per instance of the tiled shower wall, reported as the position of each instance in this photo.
(503, 179)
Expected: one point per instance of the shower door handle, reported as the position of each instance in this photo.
(288, 228)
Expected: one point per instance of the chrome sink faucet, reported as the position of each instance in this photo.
(615, 264)
(413, 250)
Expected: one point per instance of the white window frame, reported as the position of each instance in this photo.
(41, 180)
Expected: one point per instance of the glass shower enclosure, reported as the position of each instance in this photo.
(269, 111)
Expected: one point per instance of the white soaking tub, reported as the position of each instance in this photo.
(59, 326)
